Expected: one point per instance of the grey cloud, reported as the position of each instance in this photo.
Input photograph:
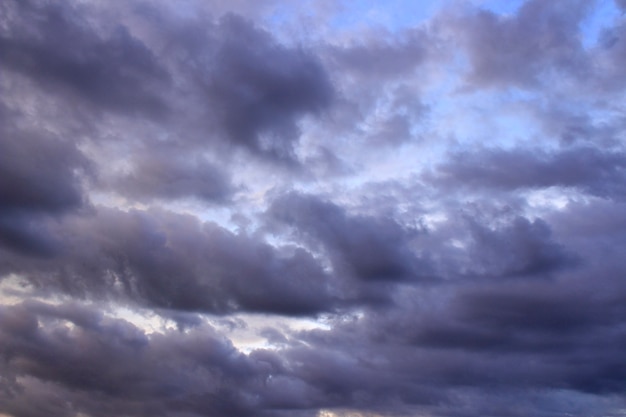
(447, 293)
(595, 171)
(372, 248)
(39, 172)
(396, 129)
(609, 55)
(166, 175)
(103, 366)
(540, 322)
(549, 309)
(260, 88)
(440, 349)
(376, 249)
(55, 45)
(518, 248)
(576, 127)
(27, 234)
(41, 176)
(235, 83)
(539, 46)
(324, 163)
(377, 101)
(516, 50)
(545, 337)
(585, 225)
(175, 262)
(241, 86)
(378, 57)
(108, 366)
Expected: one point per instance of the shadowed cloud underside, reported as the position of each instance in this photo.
(312, 209)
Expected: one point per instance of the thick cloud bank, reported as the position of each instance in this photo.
(312, 209)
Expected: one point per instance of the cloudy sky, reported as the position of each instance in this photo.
(312, 208)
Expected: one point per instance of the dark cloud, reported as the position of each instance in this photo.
(370, 248)
(39, 172)
(117, 72)
(175, 262)
(26, 234)
(205, 213)
(261, 88)
(41, 176)
(549, 336)
(104, 366)
(549, 309)
(592, 170)
(219, 80)
(586, 225)
(519, 247)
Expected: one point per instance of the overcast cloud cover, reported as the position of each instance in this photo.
(312, 208)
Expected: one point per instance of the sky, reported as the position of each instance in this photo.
(329, 208)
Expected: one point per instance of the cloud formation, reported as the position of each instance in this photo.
(306, 209)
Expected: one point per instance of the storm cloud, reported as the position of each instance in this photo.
(312, 209)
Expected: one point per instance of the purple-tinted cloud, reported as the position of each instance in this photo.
(517, 50)
(60, 51)
(263, 88)
(595, 171)
(175, 262)
(235, 209)
(371, 248)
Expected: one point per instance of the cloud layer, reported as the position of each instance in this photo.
(312, 209)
